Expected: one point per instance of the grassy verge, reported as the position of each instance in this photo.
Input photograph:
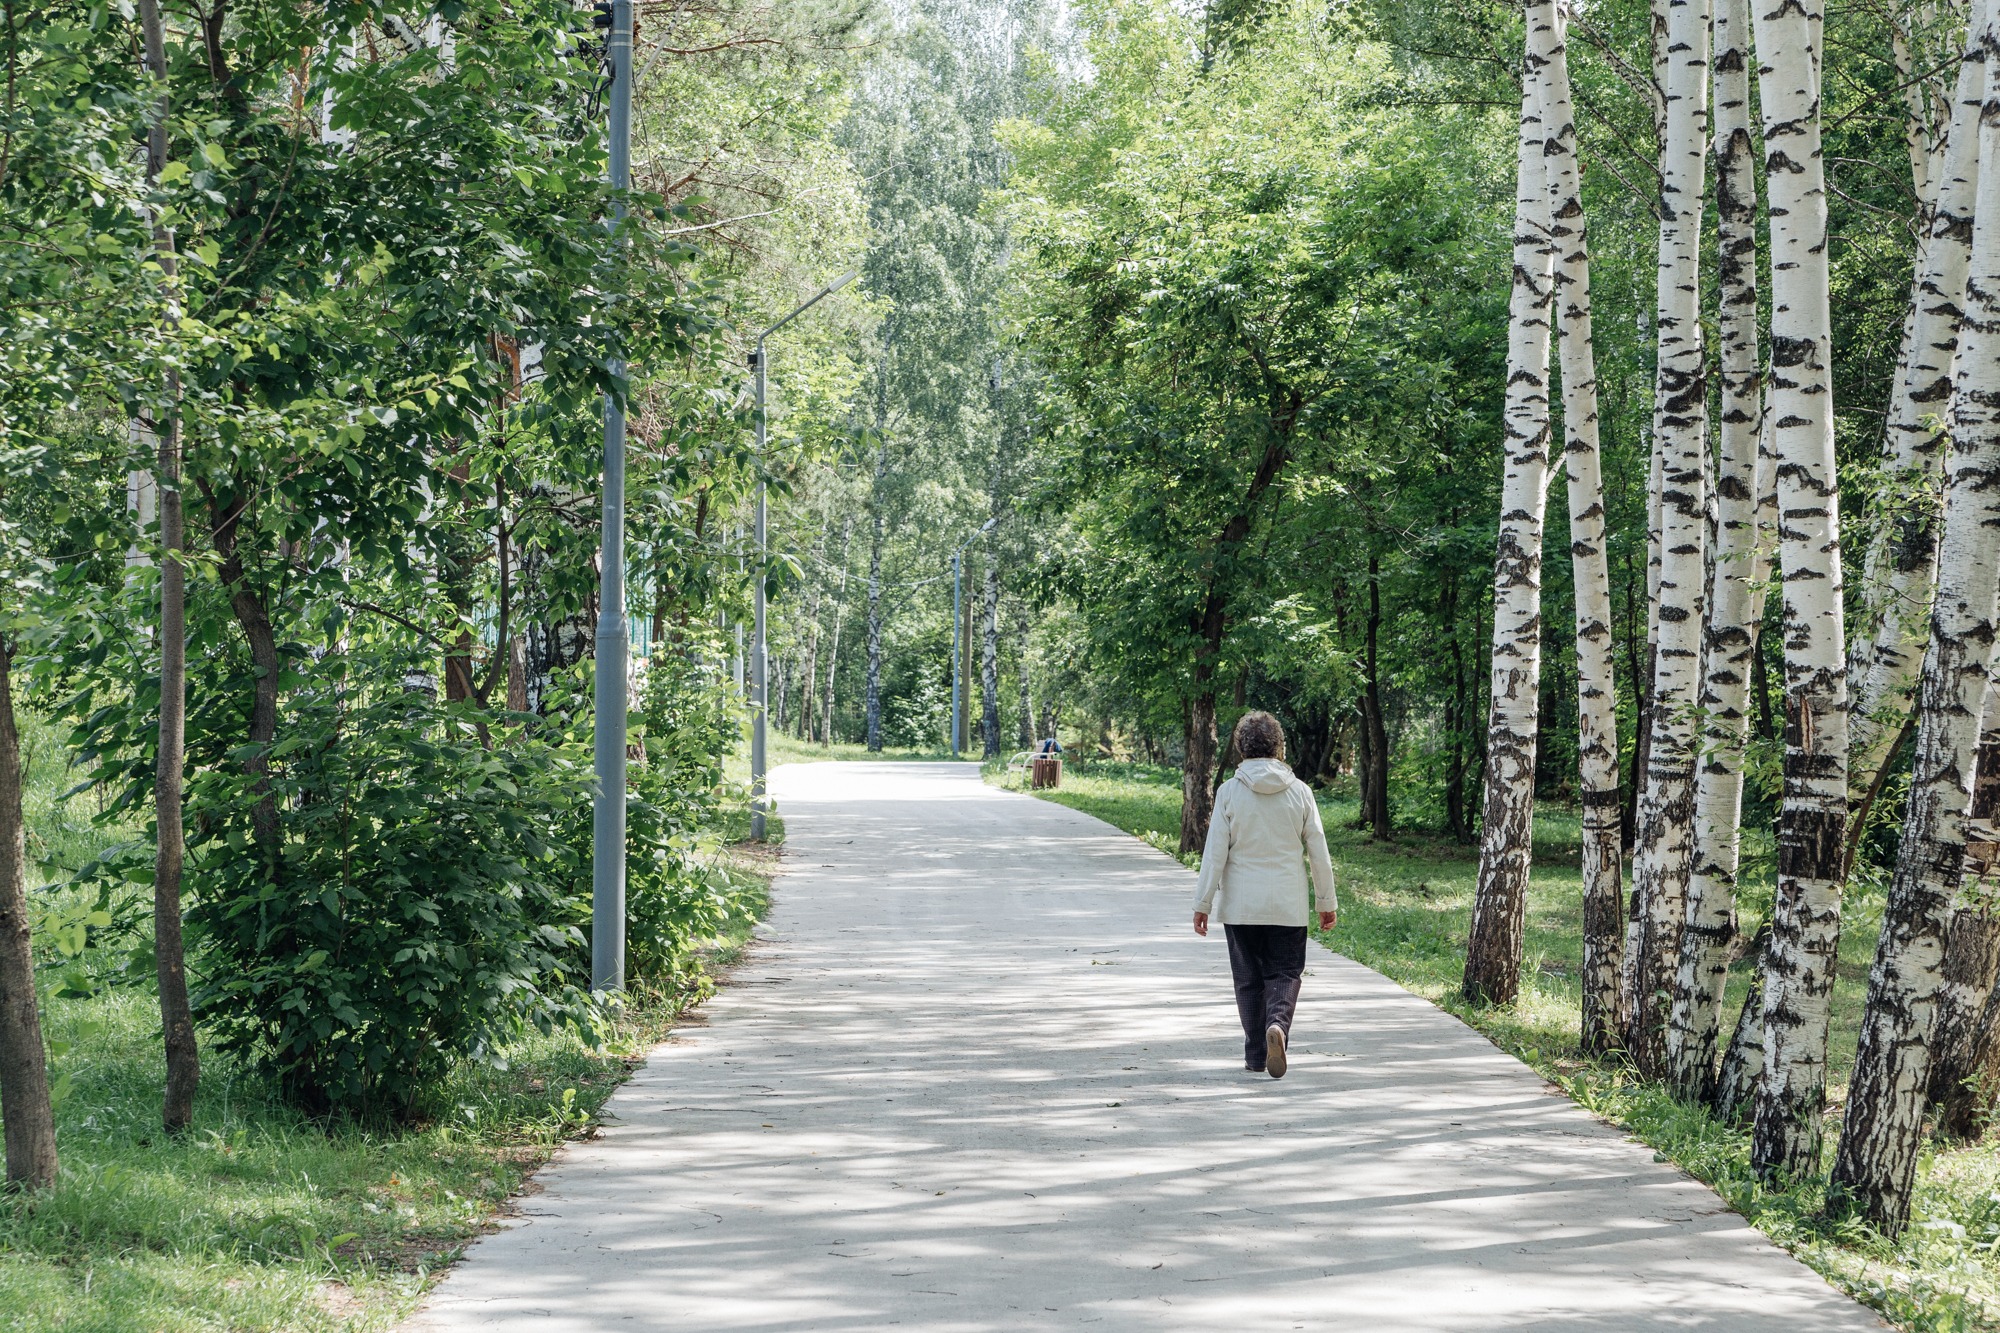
(259, 1218)
(791, 750)
(1405, 909)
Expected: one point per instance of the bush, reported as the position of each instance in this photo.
(411, 915)
(676, 899)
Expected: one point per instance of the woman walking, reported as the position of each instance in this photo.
(1264, 830)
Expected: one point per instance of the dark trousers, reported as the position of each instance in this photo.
(1267, 962)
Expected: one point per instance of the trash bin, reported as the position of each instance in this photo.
(1045, 770)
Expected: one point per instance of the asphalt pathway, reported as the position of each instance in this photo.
(979, 1075)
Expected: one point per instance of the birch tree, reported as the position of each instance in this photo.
(833, 646)
(809, 659)
(1025, 733)
(1875, 1166)
(1663, 856)
(1737, 604)
(1900, 567)
(1963, 1041)
(1642, 744)
(1493, 953)
(1805, 934)
(989, 662)
(878, 532)
(1597, 695)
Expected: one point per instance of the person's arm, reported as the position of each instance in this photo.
(1214, 860)
(1324, 897)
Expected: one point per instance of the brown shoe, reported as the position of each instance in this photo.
(1274, 1051)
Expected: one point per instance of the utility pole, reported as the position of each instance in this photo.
(607, 842)
(759, 651)
(759, 647)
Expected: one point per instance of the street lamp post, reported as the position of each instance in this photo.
(957, 621)
(759, 648)
(607, 840)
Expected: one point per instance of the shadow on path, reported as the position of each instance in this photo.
(981, 1076)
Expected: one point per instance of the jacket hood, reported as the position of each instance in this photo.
(1266, 777)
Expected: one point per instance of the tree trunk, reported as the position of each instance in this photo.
(1493, 952)
(1962, 1042)
(780, 687)
(989, 664)
(1642, 679)
(30, 1127)
(1805, 931)
(517, 674)
(962, 724)
(833, 648)
(1458, 718)
(254, 618)
(809, 668)
(1969, 1113)
(873, 695)
(809, 664)
(1197, 762)
(1743, 1062)
(1596, 690)
(1663, 856)
(1901, 564)
(183, 1058)
(1027, 736)
(1736, 603)
(1963, 1045)
(1375, 813)
(1875, 1167)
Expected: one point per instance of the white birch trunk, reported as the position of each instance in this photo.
(1026, 736)
(1805, 923)
(1736, 604)
(1629, 956)
(1663, 856)
(1597, 695)
(1875, 1167)
(1962, 1042)
(873, 698)
(1743, 1059)
(1493, 953)
(1916, 115)
(989, 664)
(1900, 568)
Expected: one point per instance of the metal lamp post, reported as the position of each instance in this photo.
(607, 843)
(759, 648)
(957, 619)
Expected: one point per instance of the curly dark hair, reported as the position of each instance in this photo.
(1259, 736)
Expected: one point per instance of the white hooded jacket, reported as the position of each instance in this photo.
(1264, 830)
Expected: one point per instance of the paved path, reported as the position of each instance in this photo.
(981, 1076)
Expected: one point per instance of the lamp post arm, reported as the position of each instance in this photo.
(806, 305)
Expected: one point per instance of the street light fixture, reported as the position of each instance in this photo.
(607, 820)
(957, 614)
(759, 654)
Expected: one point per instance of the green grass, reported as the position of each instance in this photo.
(1405, 909)
(259, 1218)
(791, 750)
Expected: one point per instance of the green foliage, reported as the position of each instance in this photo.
(678, 897)
(1265, 296)
(409, 921)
